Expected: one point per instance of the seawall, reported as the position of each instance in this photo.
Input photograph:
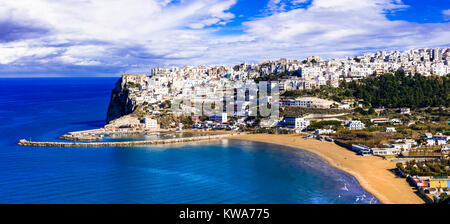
(121, 144)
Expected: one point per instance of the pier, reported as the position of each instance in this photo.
(24, 142)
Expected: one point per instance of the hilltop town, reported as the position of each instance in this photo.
(203, 82)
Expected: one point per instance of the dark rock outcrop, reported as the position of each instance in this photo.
(120, 103)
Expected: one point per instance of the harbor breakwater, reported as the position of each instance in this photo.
(24, 142)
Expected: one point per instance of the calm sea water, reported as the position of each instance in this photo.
(226, 171)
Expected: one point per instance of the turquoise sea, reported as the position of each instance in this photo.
(224, 171)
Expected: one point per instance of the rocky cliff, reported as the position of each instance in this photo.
(120, 103)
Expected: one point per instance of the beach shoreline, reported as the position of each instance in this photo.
(371, 172)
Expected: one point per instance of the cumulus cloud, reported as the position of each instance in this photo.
(10, 52)
(446, 14)
(154, 25)
(326, 28)
(329, 27)
(117, 35)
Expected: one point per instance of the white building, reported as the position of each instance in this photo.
(379, 120)
(220, 118)
(405, 110)
(395, 121)
(296, 122)
(389, 129)
(324, 131)
(312, 102)
(385, 151)
(401, 146)
(150, 123)
(344, 106)
(441, 141)
(445, 149)
(430, 142)
(355, 125)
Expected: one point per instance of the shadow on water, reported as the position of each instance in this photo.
(96, 124)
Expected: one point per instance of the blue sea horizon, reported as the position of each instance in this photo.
(223, 171)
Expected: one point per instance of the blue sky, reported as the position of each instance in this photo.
(109, 37)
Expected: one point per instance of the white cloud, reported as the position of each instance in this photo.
(446, 14)
(160, 32)
(119, 24)
(84, 55)
(12, 51)
(329, 26)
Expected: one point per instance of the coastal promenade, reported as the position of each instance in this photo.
(24, 142)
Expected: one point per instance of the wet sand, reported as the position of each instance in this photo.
(373, 173)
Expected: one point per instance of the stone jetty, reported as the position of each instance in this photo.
(24, 142)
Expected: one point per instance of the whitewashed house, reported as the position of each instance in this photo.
(385, 151)
(355, 125)
(430, 142)
(405, 110)
(296, 122)
(150, 123)
(324, 131)
(445, 149)
(220, 118)
(390, 129)
(401, 146)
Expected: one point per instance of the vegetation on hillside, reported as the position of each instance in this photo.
(400, 90)
(325, 92)
(326, 124)
(370, 137)
(302, 111)
(427, 168)
(388, 90)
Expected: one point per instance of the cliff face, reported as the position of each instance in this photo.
(120, 103)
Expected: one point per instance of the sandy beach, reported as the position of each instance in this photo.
(372, 172)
